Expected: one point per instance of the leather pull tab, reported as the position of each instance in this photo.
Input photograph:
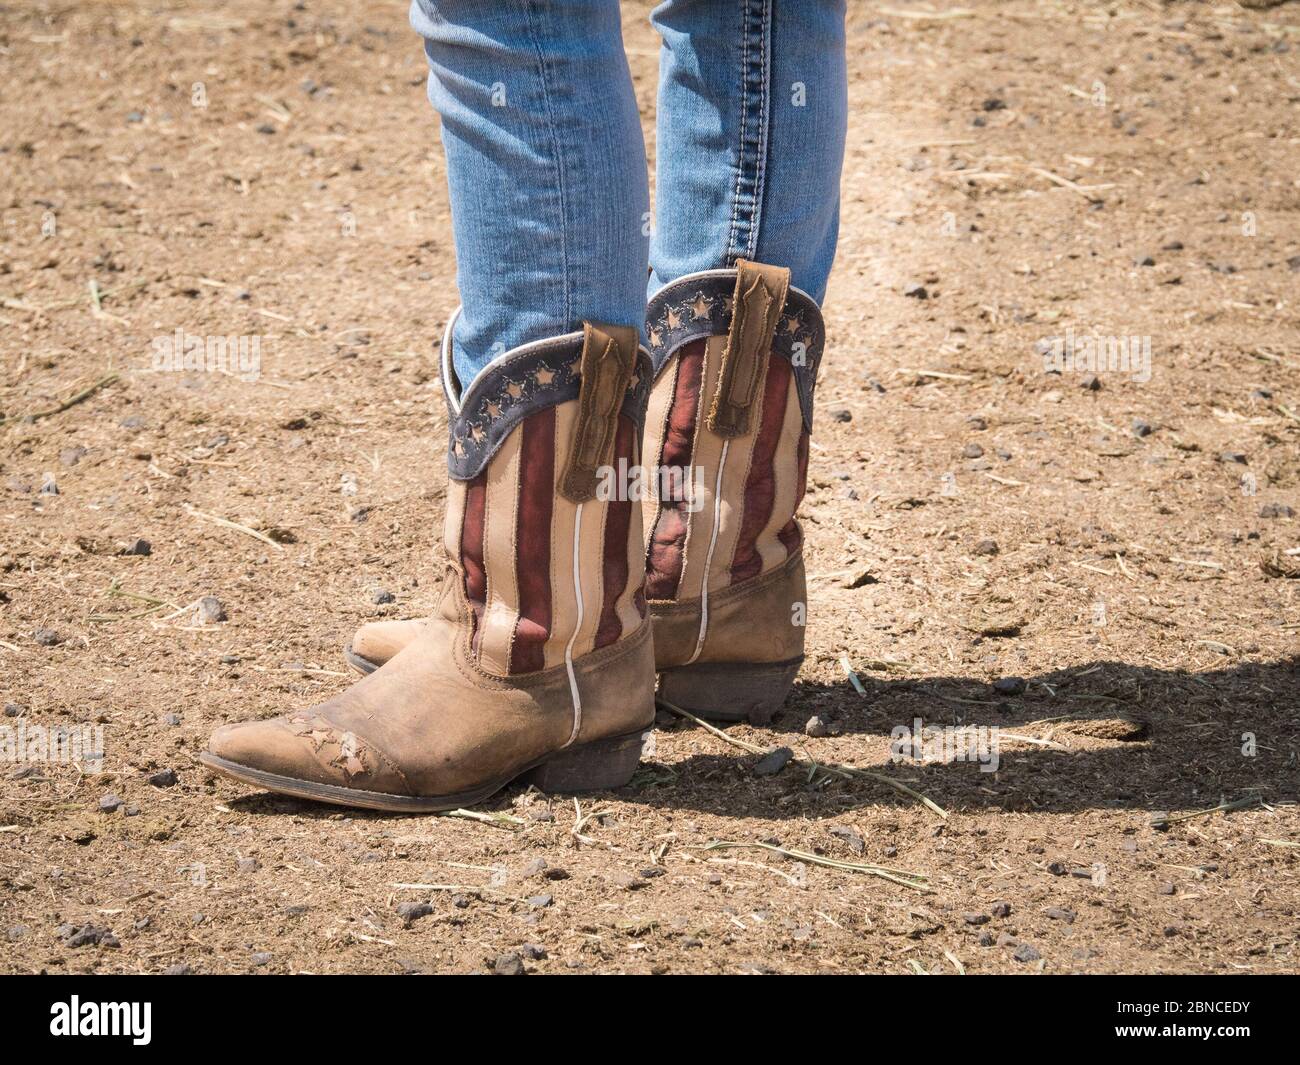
(606, 364)
(760, 297)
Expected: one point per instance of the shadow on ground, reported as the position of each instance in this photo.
(1188, 738)
(1134, 737)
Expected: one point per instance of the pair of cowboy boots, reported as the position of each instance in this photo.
(538, 663)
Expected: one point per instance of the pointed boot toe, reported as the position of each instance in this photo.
(309, 756)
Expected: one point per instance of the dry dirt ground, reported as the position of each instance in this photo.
(1129, 550)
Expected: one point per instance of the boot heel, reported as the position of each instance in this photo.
(730, 691)
(598, 766)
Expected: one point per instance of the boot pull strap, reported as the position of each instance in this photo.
(606, 364)
(759, 300)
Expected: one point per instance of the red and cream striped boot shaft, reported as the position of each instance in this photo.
(551, 572)
(537, 661)
(735, 357)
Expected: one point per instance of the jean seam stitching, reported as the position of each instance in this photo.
(729, 251)
(760, 176)
(752, 211)
(530, 12)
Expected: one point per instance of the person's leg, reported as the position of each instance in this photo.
(753, 110)
(545, 164)
(752, 116)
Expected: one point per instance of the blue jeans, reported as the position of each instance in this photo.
(547, 168)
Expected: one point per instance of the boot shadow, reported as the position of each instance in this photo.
(1201, 738)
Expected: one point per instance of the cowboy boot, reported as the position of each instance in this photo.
(724, 566)
(536, 664)
(735, 356)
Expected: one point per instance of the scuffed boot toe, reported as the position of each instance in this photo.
(305, 755)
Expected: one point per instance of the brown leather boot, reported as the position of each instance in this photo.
(735, 359)
(731, 409)
(537, 662)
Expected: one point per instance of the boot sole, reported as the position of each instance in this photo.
(362, 665)
(730, 691)
(598, 766)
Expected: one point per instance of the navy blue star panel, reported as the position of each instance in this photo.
(521, 383)
(700, 305)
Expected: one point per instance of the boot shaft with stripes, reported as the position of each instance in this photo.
(735, 356)
(551, 572)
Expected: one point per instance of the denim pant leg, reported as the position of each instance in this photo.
(546, 168)
(753, 111)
